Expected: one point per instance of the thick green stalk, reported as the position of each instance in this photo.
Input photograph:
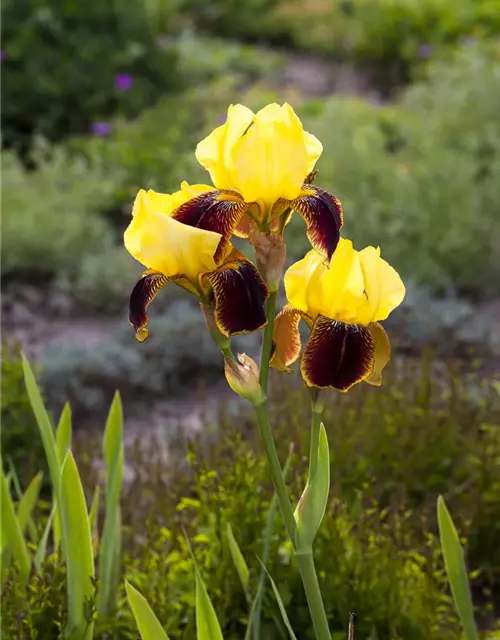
(313, 595)
(305, 561)
(261, 413)
(267, 341)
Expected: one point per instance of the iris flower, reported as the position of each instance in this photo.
(196, 259)
(259, 165)
(341, 301)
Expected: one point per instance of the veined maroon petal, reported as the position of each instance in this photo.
(239, 295)
(323, 216)
(337, 355)
(143, 295)
(218, 211)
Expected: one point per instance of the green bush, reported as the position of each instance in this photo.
(59, 69)
(420, 177)
(389, 38)
(55, 233)
(254, 20)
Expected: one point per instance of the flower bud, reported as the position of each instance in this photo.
(242, 375)
(270, 254)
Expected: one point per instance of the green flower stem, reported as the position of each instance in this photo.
(267, 341)
(305, 561)
(262, 415)
(313, 595)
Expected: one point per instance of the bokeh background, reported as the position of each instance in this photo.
(103, 97)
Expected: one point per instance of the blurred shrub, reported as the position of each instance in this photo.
(420, 178)
(248, 21)
(54, 230)
(390, 38)
(60, 70)
(157, 150)
(20, 440)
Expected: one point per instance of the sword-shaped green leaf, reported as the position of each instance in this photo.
(43, 422)
(12, 536)
(63, 443)
(27, 504)
(75, 530)
(111, 537)
(239, 561)
(41, 551)
(455, 568)
(148, 624)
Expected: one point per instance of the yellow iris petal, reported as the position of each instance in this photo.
(384, 288)
(215, 151)
(167, 203)
(314, 149)
(356, 287)
(334, 291)
(161, 243)
(270, 161)
(265, 156)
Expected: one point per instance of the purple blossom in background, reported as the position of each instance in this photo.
(222, 118)
(424, 51)
(124, 81)
(2, 54)
(100, 128)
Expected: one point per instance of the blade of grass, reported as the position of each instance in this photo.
(43, 422)
(281, 606)
(251, 615)
(111, 537)
(239, 562)
(455, 568)
(63, 444)
(207, 625)
(27, 504)
(148, 624)
(12, 535)
(75, 530)
(41, 551)
(94, 517)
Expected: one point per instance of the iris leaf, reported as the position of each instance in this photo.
(455, 568)
(148, 624)
(75, 528)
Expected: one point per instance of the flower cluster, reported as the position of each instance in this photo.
(262, 166)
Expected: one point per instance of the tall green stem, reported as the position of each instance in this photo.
(305, 561)
(267, 341)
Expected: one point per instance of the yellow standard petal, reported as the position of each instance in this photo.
(333, 290)
(270, 160)
(215, 152)
(161, 243)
